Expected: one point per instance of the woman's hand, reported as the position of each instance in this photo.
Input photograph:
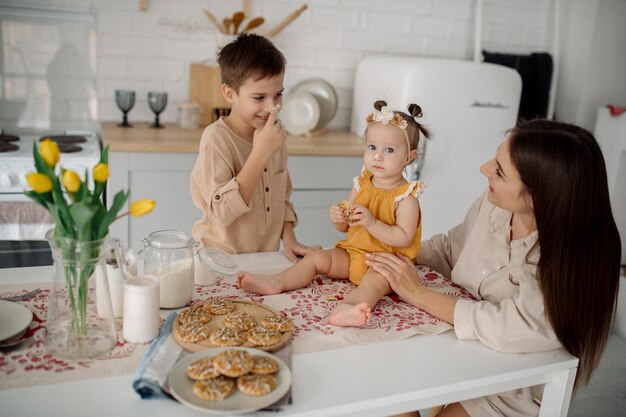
(362, 217)
(399, 271)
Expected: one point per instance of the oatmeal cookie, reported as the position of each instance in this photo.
(240, 320)
(227, 337)
(264, 365)
(194, 315)
(233, 362)
(257, 385)
(262, 336)
(278, 323)
(346, 210)
(193, 332)
(214, 389)
(221, 306)
(202, 369)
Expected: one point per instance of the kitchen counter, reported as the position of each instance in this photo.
(172, 139)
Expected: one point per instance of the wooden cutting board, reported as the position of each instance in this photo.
(258, 311)
(205, 88)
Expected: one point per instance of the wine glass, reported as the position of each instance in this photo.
(157, 102)
(125, 101)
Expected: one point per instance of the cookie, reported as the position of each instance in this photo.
(240, 320)
(227, 337)
(196, 315)
(192, 332)
(257, 385)
(221, 306)
(202, 369)
(279, 323)
(262, 336)
(214, 389)
(233, 362)
(346, 210)
(264, 365)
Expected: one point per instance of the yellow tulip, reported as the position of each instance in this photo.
(40, 183)
(49, 152)
(71, 181)
(101, 172)
(141, 207)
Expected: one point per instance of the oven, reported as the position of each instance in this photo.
(23, 223)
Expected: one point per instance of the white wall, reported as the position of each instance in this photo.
(593, 61)
(152, 50)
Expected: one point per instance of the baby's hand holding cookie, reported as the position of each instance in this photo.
(336, 214)
(347, 211)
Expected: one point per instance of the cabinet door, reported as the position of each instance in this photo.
(314, 227)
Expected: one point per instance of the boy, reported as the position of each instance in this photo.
(240, 181)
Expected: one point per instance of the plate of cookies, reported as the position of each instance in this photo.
(229, 380)
(222, 322)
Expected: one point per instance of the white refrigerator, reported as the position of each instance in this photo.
(468, 108)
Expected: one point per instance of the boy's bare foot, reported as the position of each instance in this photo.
(257, 284)
(354, 315)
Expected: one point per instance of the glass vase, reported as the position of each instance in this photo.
(78, 326)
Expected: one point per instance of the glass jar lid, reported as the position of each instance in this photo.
(169, 239)
(217, 260)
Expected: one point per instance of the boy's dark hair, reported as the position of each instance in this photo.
(249, 55)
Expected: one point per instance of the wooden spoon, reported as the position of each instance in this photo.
(237, 19)
(227, 22)
(254, 23)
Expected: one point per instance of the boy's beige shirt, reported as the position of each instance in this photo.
(227, 222)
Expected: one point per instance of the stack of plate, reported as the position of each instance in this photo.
(14, 321)
(311, 105)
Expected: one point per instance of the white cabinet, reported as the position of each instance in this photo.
(318, 182)
(162, 177)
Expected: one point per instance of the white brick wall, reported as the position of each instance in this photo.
(152, 50)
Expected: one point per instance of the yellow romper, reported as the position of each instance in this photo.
(382, 204)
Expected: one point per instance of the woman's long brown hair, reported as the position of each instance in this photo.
(562, 167)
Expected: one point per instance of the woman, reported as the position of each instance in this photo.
(540, 252)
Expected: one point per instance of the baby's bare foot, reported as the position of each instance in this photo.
(350, 315)
(257, 284)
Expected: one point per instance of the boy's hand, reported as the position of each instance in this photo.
(295, 249)
(268, 139)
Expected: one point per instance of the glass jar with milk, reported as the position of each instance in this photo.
(168, 255)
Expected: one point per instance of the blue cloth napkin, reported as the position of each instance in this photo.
(150, 378)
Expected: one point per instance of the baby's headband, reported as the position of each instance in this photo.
(386, 116)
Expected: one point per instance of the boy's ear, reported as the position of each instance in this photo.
(228, 93)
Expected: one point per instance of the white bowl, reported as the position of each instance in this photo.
(300, 113)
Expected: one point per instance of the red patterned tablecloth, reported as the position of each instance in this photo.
(28, 364)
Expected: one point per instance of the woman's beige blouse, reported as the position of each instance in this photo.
(479, 256)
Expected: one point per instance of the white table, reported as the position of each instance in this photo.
(371, 380)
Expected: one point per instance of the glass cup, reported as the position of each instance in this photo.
(125, 100)
(158, 102)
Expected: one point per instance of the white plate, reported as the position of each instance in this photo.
(14, 319)
(181, 386)
(326, 95)
(300, 113)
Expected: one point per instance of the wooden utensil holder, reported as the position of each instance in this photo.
(205, 88)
